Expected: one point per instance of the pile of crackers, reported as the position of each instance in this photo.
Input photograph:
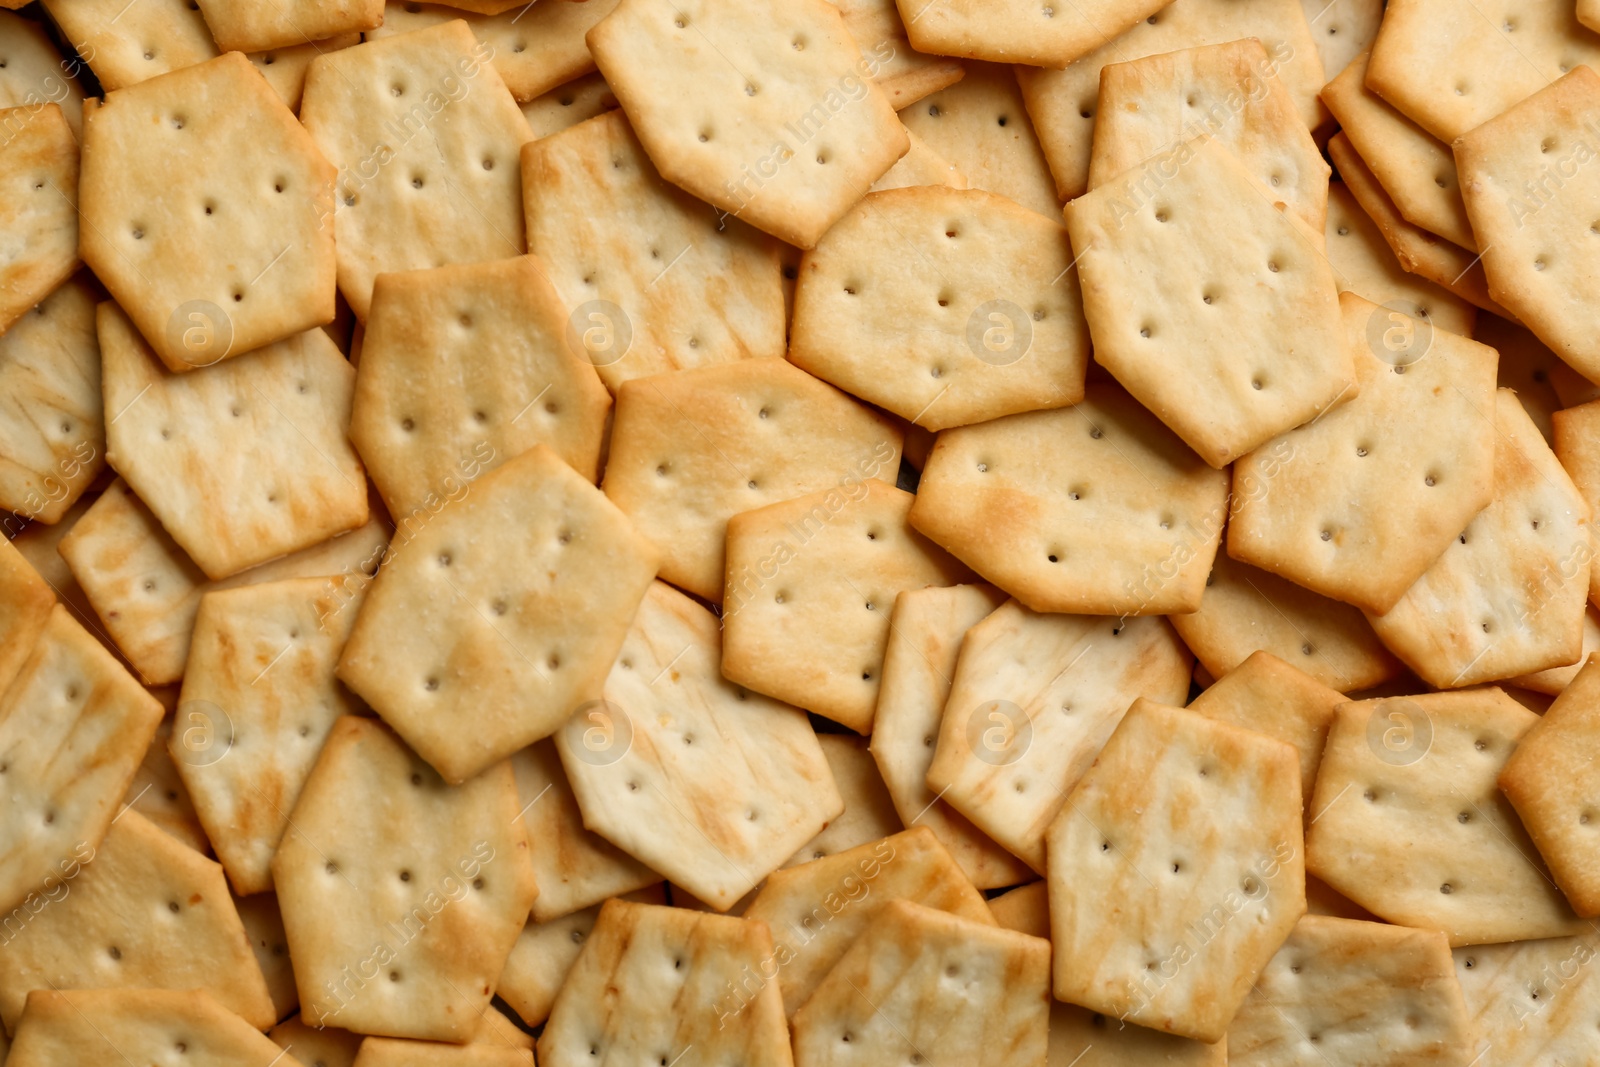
(740, 533)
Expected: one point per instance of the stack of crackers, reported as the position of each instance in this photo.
(739, 533)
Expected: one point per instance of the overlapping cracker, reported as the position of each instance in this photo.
(1342, 29)
(1094, 1040)
(1531, 1001)
(691, 775)
(463, 368)
(1025, 909)
(26, 605)
(328, 1046)
(34, 73)
(1018, 32)
(425, 137)
(905, 74)
(869, 813)
(567, 105)
(1407, 820)
(764, 110)
(920, 165)
(1033, 699)
(927, 983)
(501, 616)
(263, 928)
(237, 28)
(285, 69)
(140, 909)
(400, 1052)
(125, 45)
(138, 1025)
(653, 279)
(1508, 596)
(401, 894)
(1575, 433)
(982, 284)
(156, 791)
(1095, 509)
(689, 450)
(1193, 826)
(1530, 368)
(39, 208)
(1364, 264)
(811, 582)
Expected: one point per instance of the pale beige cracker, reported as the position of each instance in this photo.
(925, 635)
(981, 125)
(263, 927)
(39, 208)
(117, 1025)
(1364, 264)
(869, 812)
(691, 449)
(145, 591)
(1245, 610)
(501, 615)
(1227, 91)
(1408, 821)
(1507, 597)
(1323, 899)
(653, 279)
(425, 137)
(1575, 437)
(1186, 351)
(1452, 64)
(1193, 826)
(27, 603)
(1344, 991)
(399, 1052)
(1025, 909)
(929, 983)
(711, 785)
(1550, 682)
(203, 206)
(35, 74)
(1095, 509)
(286, 23)
(73, 726)
(125, 45)
(38, 541)
(1083, 1038)
(259, 697)
(1529, 190)
(1415, 168)
(463, 368)
(1063, 103)
(1033, 700)
(327, 1046)
(285, 70)
(1531, 1001)
(575, 867)
(401, 895)
(242, 462)
(921, 165)
(817, 910)
(810, 585)
(566, 105)
(141, 910)
(1342, 30)
(981, 284)
(1527, 366)
(1016, 31)
(764, 110)
(904, 73)
(1358, 504)
(156, 791)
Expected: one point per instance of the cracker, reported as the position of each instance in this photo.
(1575, 437)
(924, 982)
(710, 785)
(401, 895)
(137, 1026)
(1409, 824)
(147, 911)
(981, 283)
(1589, 14)
(1415, 168)
(1528, 195)
(764, 110)
(925, 633)
(1096, 509)
(425, 138)
(1528, 367)
(1018, 32)
(980, 125)
(259, 697)
(1062, 103)
(654, 982)
(250, 28)
(1189, 355)
(397, 1052)
(503, 612)
(903, 73)
(263, 927)
(127, 44)
(1342, 29)
(1342, 991)
(463, 368)
(1450, 65)
(73, 724)
(1508, 596)
(1547, 781)
(1551, 681)
(26, 605)
(1267, 695)
(157, 793)
(653, 279)
(817, 910)
(1227, 91)
(1530, 1000)
(574, 867)
(689, 450)
(146, 591)
(1033, 700)
(285, 69)
(1358, 504)
(1245, 610)
(567, 105)
(290, 478)
(811, 583)
(39, 211)
(202, 203)
(34, 73)
(326, 1046)
(1082, 1038)
(1025, 909)
(921, 165)
(868, 810)
(1195, 925)
(1364, 264)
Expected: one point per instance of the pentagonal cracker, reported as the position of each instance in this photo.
(1015, 31)
(128, 45)
(39, 208)
(35, 74)
(1529, 1000)
(983, 284)
(283, 25)
(135, 1026)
